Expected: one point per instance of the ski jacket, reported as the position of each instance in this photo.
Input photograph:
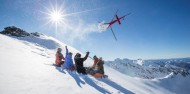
(79, 64)
(68, 64)
(59, 56)
(79, 61)
(100, 66)
(95, 62)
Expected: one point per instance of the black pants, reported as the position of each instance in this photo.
(81, 70)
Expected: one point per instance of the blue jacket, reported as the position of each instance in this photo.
(68, 60)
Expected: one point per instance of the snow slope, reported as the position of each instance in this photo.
(25, 68)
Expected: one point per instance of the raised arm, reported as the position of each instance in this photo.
(87, 53)
(66, 50)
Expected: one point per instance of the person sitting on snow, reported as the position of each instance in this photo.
(79, 63)
(59, 57)
(68, 64)
(100, 70)
(96, 60)
(100, 67)
(97, 70)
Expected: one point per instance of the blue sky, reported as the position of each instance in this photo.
(155, 29)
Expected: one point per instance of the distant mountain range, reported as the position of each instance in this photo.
(150, 69)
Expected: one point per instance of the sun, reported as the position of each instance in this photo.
(56, 16)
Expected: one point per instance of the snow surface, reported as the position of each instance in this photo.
(25, 68)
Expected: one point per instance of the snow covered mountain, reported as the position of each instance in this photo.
(25, 68)
(151, 69)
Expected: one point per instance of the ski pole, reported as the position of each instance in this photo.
(90, 57)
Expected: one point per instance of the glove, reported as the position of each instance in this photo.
(87, 52)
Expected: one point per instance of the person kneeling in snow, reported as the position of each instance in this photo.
(68, 64)
(100, 67)
(97, 70)
(79, 63)
(59, 58)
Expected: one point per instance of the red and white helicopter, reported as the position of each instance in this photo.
(114, 21)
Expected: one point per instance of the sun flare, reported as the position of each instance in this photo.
(56, 16)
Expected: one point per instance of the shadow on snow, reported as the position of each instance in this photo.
(76, 77)
(116, 86)
(59, 69)
(90, 82)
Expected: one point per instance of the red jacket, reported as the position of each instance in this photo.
(59, 57)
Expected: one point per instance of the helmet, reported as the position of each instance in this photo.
(94, 57)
